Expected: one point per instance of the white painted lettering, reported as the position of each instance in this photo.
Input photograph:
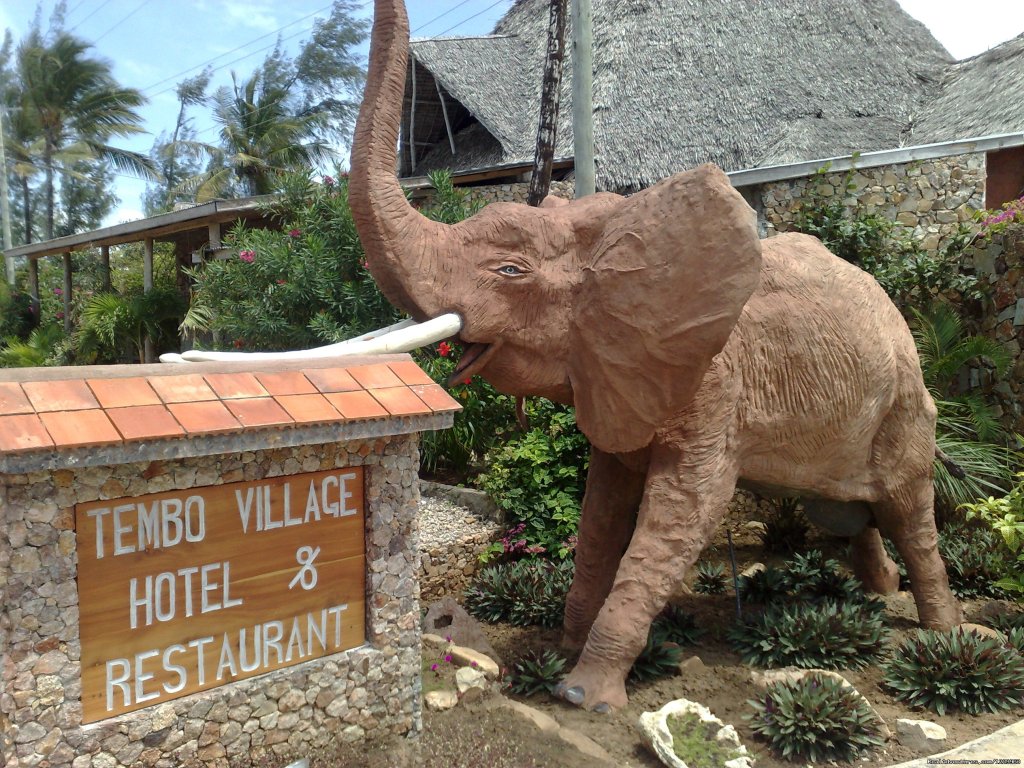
(195, 513)
(254, 663)
(335, 611)
(200, 661)
(175, 669)
(319, 632)
(275, 642)
(142, 677)
(229, 601)
(149, 526)
(245, 507)
(122, 529)
(164, 596)
(208, 585)
(187, 574)
(121, 681)
(98, 515)
(288, 519)
(135, 602)
(329, 507)
(346, 494)
(227, 659)
(170, 517)
(268, 522)
(312, 503)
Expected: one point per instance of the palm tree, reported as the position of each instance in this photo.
(261, 139)
(967, 431)
(77, 107)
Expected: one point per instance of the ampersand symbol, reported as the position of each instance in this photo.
(307, 575)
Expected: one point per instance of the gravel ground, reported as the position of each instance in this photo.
(443, 523)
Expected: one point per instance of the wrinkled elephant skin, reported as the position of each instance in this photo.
(696, 356)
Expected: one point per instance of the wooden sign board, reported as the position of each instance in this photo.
(189, 590)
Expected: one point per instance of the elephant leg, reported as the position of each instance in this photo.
(907, 517)
(872, 564)
(606, 525)
(683, 502)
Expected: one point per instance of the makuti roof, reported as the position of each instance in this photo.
(979, 96)
(741, 83)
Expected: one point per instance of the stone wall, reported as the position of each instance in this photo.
(517, 192)
(930, 198)
(367, 692)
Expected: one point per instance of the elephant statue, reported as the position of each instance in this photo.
(697, 356)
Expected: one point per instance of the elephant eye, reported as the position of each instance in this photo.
(509, 269)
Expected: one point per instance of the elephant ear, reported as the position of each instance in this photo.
(661, 292)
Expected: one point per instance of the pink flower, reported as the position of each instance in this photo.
(294, 232)
(282, 282)
(60, 315)
(58, 291)
(433, 667)
(247, 256)
(328, 181)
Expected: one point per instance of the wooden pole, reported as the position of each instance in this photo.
(582, 96)
(447, 122)
(105, 267)
(547, 126)
(147, 286)
(67, 291)
(5, 202)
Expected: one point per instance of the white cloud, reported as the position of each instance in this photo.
(258, 16)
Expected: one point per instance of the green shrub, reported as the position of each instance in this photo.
(1005, 622)
(956, 671)
(1015, 639)
(16, 316)
(536, 672)
(815, 718)
(785, 530)
(538, 477)
(1005, 516)
(660, 657)
(768, 585)
(711, 578)
(826, 635)
(675, 625)
(523, 592)
(486, 417)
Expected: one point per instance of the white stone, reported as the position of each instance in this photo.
(475, 659)
(920, 735)
(472, 683)
(441, 700)
(655, 733)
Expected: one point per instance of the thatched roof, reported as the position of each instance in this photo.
(980, 96)
(681, 82)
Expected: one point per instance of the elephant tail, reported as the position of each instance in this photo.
(951, 466)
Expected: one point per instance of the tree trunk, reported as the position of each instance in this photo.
(547, 128)
(26, 197)
(48, 167)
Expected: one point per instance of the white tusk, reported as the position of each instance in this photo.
(172, 357)
(401, 337)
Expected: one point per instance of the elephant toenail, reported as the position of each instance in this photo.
(603, 708)
(560, 690)
(574, 695)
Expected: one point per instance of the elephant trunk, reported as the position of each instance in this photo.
(402, 246)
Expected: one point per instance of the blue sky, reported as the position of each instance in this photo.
(154, 44)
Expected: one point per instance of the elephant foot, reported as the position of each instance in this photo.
(942, 615)
(882, 580)
(593, 687)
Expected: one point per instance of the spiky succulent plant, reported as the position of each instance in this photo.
(827, 635)
(711, 578)
(523, 592)
(536, 672)
(815, 718)
(956, 671)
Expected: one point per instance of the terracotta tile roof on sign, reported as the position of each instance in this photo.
(48, 410)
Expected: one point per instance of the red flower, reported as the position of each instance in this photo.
(328, 181)
(282, 282)
(247, 256)
(239, 343)
(444, 349)
(294, 232)
(467, 381)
